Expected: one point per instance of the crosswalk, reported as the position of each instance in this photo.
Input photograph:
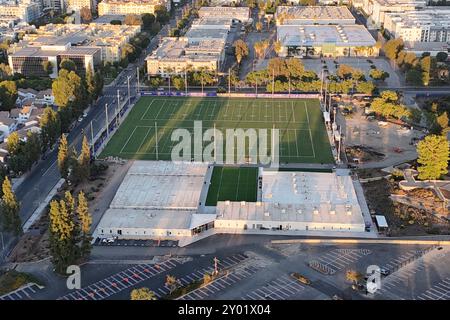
(24, 293)
(283, 288)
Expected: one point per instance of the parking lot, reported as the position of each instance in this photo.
(24, 293)
(210, 290)
(120, 281)
(283, 288)
(440, 291)
(339, 259)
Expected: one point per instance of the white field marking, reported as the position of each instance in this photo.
(128, 140)
(146, 110)
(309, 128)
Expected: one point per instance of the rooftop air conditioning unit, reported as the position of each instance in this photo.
(258, 203)
(283, 210)
(227, 203)
(332, 212)
(242, 203)
(299, 211)
(266, 214)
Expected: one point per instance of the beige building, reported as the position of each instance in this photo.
(76, 5)
(25, 11)
(377, 9)
(301, 15)
(110, 39)
(236, 13)
(176, 55)
(124, 7)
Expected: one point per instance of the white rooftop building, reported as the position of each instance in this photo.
(301, 15)
(296, 201)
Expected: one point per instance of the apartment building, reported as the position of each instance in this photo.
(428, 25)
(235, 13)
(377, 9)
(30, 61)
(76, 5)
(304, 15)
(124, 7)
(110, 39)
(26, 11)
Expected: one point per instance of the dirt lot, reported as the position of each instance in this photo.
(34, 245)
(403, 220)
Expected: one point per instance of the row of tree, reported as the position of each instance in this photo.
(74, 167)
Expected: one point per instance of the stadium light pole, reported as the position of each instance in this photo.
(229, 81)
(129, 101)
(185, 82)
(92, 140)
(273, 81)
(137, 75)
(106, 119)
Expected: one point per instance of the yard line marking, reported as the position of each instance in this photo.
(128, 140)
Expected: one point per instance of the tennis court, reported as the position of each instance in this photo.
(146, 132)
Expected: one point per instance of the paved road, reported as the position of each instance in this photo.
(36, 186)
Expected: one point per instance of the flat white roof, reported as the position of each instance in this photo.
(161, 185)
(308, 188)
(299, 197)
(317, 35)
(158, 195)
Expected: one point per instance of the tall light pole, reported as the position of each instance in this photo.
(229, 81)
(106, 119)
(129, 101)
(137, 75)
(185, 82)
(92, 140)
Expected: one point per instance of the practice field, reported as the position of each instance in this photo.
(146, 132)
(234, 184)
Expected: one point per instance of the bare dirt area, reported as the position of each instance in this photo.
(361, 154)
(34, 245)
(404, 219)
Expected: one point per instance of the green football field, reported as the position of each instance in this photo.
(146, 132)
(234, 184)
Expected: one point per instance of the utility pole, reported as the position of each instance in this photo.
(129, 101)
(169, 83)
(256, 88)
(106, 119)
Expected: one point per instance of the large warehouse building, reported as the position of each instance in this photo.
(315, 31)
(166, 201)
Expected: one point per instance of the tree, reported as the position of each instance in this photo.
(442, 121)
(441, 56)
(147, 20)
(353, 276)
(13, 143)
(8, 95)
(66, 88)
(433, 157)
(295, 67)
(171, 283)
(63, 157)
(10, 208)
(162, 16)
(277, 67)
(277, 47)
(132, 20)
(258, 26)
(62, 242)
(392, 48)
(425, 65)
(85, 222)
(142, 294)
(85, 14)
(50, 127)
(366, 87)
(84, 161)
(178, 82)
(48, 67)
(68, 65)
(378, 74)
(240, 50)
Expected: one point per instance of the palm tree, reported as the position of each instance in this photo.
(171, 282)
(142, 294)
(353, 276)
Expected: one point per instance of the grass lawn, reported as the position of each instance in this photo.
(146, 132)
(13, 280)
(234, 184)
